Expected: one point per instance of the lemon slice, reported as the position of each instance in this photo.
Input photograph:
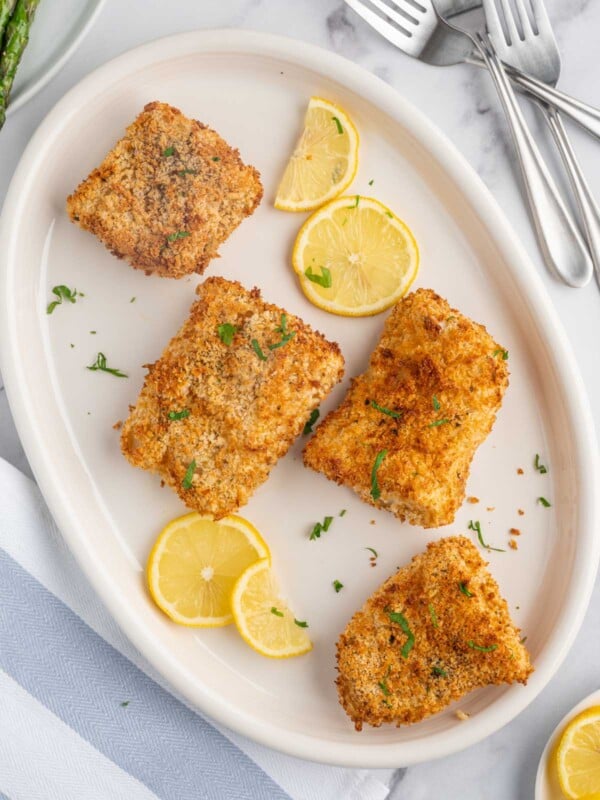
(324, 162)
(195, 563)
(354, 257)
(263, 619)
(578, 756)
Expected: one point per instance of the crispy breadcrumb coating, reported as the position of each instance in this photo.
(464, 639)
(167, 195)
(438, 379)
(244, 412)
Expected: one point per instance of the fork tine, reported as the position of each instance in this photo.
(493, 23)
(509, 21)
(412, 10)
(395, 35)
(525, 20)
(541, 19)
(402, 19)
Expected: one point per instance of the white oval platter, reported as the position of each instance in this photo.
(253, 89)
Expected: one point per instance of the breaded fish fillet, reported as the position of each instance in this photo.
(228, 396)
(434, 631)
(407, 430)
(167, 195)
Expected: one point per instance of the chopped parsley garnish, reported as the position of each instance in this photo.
(439, 672)
(300, 623)
(372, 550)
(179, 414)
(285, 336)
(438, 422)
(476, 526)
(284, 340)
(384, 687)
(371, 182)
(503, 353)
(541, 468)
(132, 300)
(226, 333)
(389, 214)
(168, 151)
(523, 640)
(316, 532)
(282, 327)
(337, 586)
(216, 158)
(276, 611)
(544, 502)
(62, 294)
(189, 475)
(401, 620)
(100, 364)
(433, 615)
(389, 412)
(356, 202)
(481, 649)
(464, 590)
(319, 527)
(375, 490)
(257, 350)
(93, 332)
(183, 172)
(324, 279)
(308, 427)
(125, 703)
(436, 403)
(338, 125)
(342, 512)
(173, 237)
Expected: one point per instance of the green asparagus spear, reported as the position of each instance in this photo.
(6, 9)
(15, 42)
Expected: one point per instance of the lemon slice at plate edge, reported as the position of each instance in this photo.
(578, 756)
(354, 257)
(324, 161)
(195, 563)
(263, 619)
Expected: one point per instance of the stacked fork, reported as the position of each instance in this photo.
(516, 42)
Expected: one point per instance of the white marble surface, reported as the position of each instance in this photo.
(460, 100)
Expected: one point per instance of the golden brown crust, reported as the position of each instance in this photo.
(377, 684)
(427, 350)
(244, 412)
(139, 197)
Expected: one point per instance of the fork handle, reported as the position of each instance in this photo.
(585, 115)
(588, 208)
(561, 243)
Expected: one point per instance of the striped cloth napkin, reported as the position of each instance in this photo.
(84, 717)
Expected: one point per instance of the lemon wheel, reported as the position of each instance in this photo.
(578, 756)
(195, 564)
(324, 161)
(354, 257)
(263, 619)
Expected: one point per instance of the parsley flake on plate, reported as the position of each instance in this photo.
(100, 364)
(62, 294)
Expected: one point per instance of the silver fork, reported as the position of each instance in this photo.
(532, 48)
(434, 44)
(416, 27)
